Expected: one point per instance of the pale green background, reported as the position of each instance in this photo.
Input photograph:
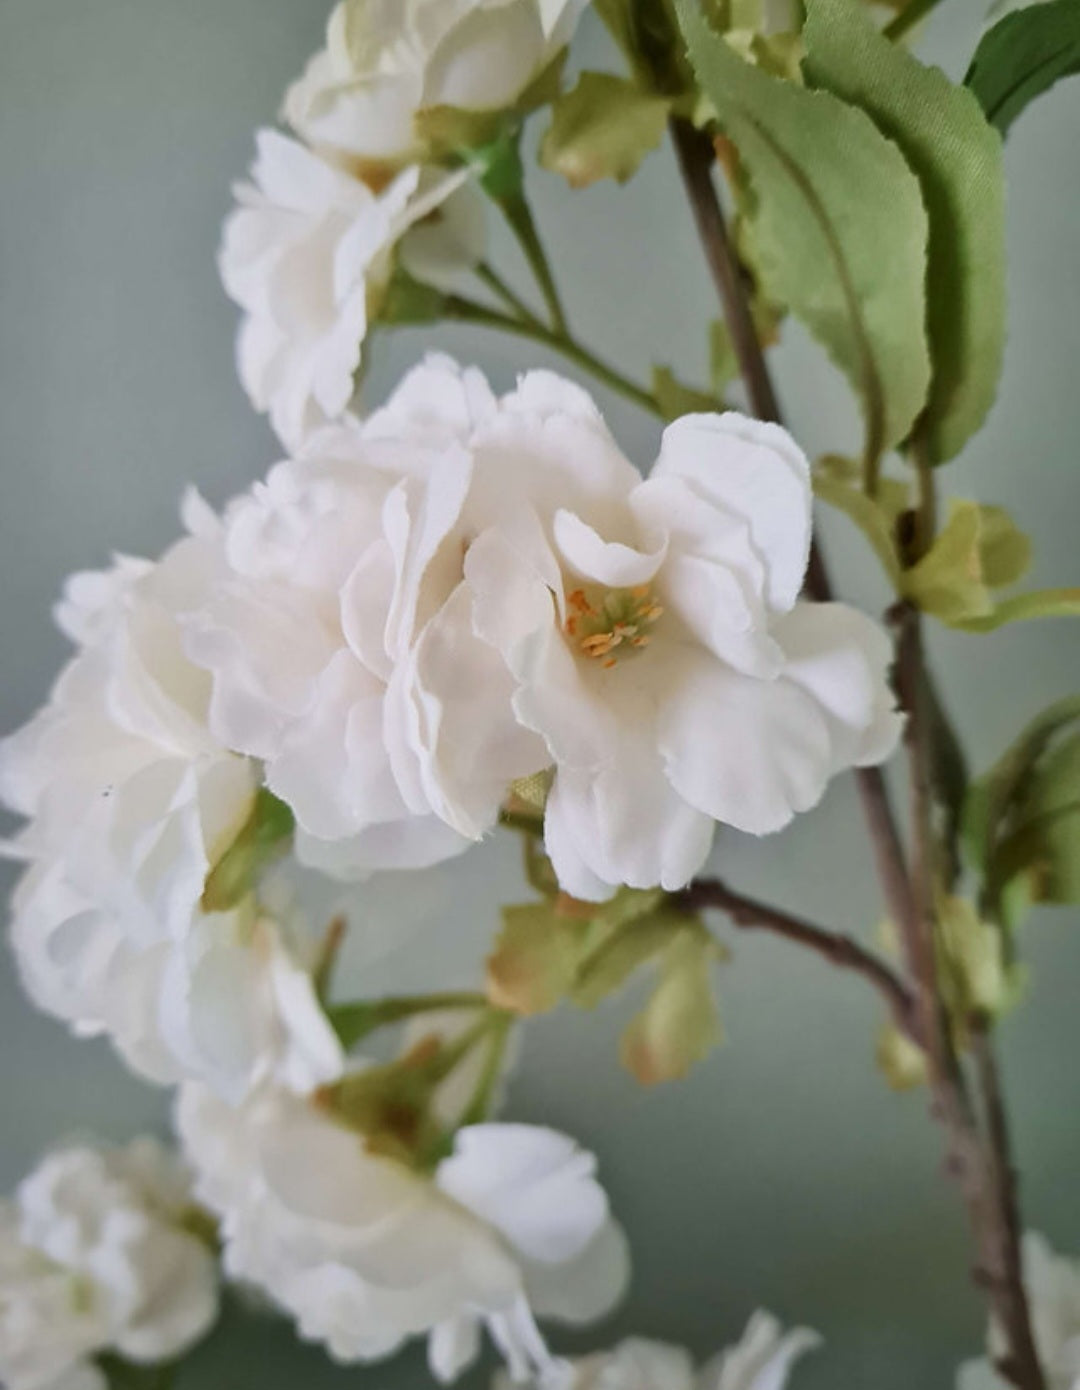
(783, 1173)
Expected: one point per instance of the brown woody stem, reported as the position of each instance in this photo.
(834, 947)
(981, 1167)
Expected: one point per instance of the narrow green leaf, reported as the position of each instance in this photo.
(957, 156)
(602, 129)
(1022, 56)
(839, 223)
(1042, 603)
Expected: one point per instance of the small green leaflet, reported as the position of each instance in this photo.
(1022, 56)
(840, 226)
(957, 157)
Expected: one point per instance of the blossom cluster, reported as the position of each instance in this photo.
(364, 186)
(96, 1256)
(363, 658)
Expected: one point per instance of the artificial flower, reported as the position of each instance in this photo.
(308, 254)
(384, 62)
(94, 1257)
(372, 1251)
(130, 803)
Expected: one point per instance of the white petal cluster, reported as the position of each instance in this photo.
(94, 1257)
(761, 1360)
(130, 802)
(1053, 1289)
(465, 591)
(310, 250)
(371, 1252)
(386, 60)
(308, 254)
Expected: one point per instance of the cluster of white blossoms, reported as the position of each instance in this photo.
(360, 659)
(131, 801)
(464, 591)
(95, 1257)
(512, 1224)
(311, 249)
(402, 621)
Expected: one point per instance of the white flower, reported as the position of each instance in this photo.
(131, 802)
(365, 1252)
(762, 1360)
(653, 631)
(385, 60)
(1053, 1289)
(338, 565)
(308, 254)
(94, 1257)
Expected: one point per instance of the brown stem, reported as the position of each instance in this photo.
(981, 1166)
(833, 946)
(990, 1198)
(1010, 1270)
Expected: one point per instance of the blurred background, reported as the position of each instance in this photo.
(783, 1173)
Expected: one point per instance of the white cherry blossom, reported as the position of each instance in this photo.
(94, 1257)
(512, 1225)
(385, 61)
(130, 802)
(308, 253)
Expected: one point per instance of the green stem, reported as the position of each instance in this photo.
(908, 18)
(352, 1022)
(558, 340)
(480, 1103)
(489, 276)
(515, 208)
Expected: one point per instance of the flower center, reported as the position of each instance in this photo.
(609, 624)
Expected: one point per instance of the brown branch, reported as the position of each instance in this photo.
(833, 946)
(981, 1167)
(989, 1196)
(1024, 1366)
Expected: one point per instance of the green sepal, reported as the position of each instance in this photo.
(675, 399)
(602, 129)
(680, 1024)
(264, 837)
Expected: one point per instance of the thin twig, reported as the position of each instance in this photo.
(834, 947)
(1003, 1175)
(467, 311)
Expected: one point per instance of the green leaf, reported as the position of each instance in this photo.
(680, 1025)
(957, 156)
(602, 129)
(979, 549)
(1022, 56)
(867, 515)
(902, 1062)
(723, 359)
(839, 224)
(535, 960)
(609, 967)
(675, 399)
(1022, 818)
(263, 838)
(1040, 603)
